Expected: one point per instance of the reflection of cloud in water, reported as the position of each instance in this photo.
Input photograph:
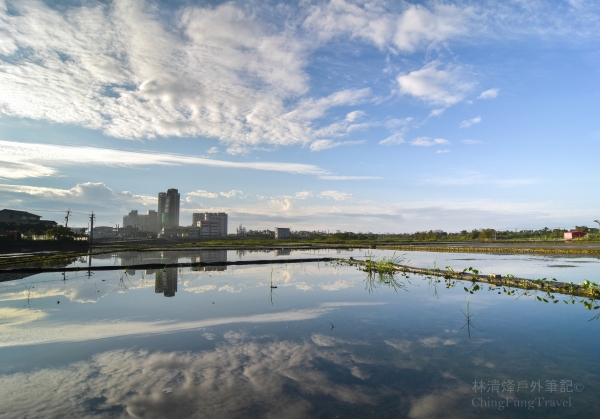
(229, 288)
(404, 346)
(340, 284)
(242, 379)
(201, 289)
(324, 340)
(76, 332)
(290, 276)
(439, 403)
(87, 291)
(434, 341)
(17, 316)
(483, 363)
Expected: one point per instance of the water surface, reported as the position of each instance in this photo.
(326, 342)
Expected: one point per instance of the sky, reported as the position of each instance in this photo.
(315, 115)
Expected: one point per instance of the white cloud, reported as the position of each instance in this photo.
(212, 150)
(444, 87)
(88, 192)
(412, 27)
(338, 196)
(354, 115)
(396, 138)
(21, 170)
(442, 151)
(231, 194)
(203, 194)
(467, 123)
(303, 195)
(321, 145)
(427, 142)
(489, 94)
(418, 26)
(437, 112)
(471, 142)
(130, 71)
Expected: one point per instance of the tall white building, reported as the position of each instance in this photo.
(212, 221)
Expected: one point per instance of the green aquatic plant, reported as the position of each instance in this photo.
(387, 264)
(474, 287)
(469, 317)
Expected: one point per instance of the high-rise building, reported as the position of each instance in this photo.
(168, 208)
(172, 207)
(212, 217)
(162, 198)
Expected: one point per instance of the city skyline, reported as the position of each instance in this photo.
(322, 115)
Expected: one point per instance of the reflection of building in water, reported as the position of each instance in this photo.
(209, 256)
(166, 282)
(283, 252)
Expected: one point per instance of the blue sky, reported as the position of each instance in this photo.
(359, 116)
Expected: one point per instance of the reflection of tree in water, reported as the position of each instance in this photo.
(58, 262)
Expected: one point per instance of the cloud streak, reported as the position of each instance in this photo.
(25, 156)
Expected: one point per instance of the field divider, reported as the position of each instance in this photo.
(587, 290)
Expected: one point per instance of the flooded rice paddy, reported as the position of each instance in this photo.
(297, 340)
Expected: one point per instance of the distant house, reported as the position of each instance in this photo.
(18, 216)
(570, 235)
(282, 233)
(7, 215)
(105, 232)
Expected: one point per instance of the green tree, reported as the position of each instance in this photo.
(60, 233)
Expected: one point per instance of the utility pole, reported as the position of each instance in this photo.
(92, 217)
(67, 218)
